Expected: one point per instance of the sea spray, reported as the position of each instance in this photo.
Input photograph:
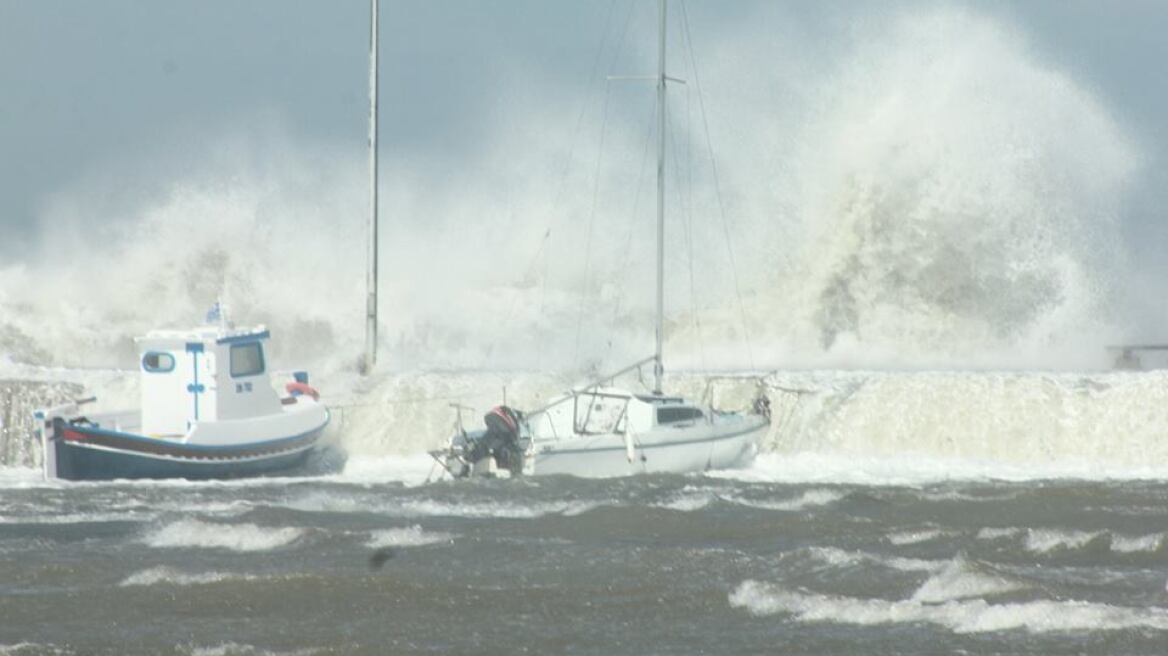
(943, 197)
(962, 199)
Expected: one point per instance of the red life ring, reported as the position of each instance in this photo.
(295, 389)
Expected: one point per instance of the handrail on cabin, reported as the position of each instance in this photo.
(577, 391)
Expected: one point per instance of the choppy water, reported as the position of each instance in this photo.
(728, 562)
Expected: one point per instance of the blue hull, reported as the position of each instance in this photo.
(79, 463)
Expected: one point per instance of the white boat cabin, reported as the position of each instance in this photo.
(206, 374)
(612, 410)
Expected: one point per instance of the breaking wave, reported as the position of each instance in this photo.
(959, 616)
(33, 649)
(837, 557)
(411, 536)
(193, 533)
(428, 507)
(809, 499)
(171, 576)
(902, 538)
(960, 579)
(960, 199)
(1054, 541)
(237, 649)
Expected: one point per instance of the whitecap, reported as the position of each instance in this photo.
(411, 536)
(809, 499)
(902, 538)
(842, 558)
(473, 510)
(1047, 540)
(22, 648)
(971, 616)
(169, 575)
(1137, 544)
(194, 533)
(991, 533)
(688, 502)
(80, 518)
(959, 580)
(236, 649)
(340, 503)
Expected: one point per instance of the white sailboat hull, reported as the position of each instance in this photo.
(666, 449)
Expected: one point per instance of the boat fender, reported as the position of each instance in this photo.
(297, 388)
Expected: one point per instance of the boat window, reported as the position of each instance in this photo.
(247, 359)
(674, 415)
(158, 363)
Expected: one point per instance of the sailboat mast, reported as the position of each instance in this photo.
(658, 366)
(371, 273)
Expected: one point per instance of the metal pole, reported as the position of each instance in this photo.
(658, 367)
(371, 274)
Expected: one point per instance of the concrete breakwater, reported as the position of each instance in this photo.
(18, 400)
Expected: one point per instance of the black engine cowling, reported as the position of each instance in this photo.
(501, 439)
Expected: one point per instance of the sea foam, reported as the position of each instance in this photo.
(959, 616)
(836, 557)
(902, 538)
(194, 533)
(411, 536)
(236, 649)
(1045, 541)
(809, 499)
(960, 580)
(169, 575)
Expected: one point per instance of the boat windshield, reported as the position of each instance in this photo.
(677, 414)
(247, 359)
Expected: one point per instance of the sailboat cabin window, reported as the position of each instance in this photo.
(247, 359)
(158, 363)
(677, 414)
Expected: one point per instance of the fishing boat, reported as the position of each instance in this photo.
(209, 409)
(599, 430)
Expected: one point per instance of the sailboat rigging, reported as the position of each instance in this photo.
(599, 430)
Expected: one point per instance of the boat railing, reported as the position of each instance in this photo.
(592, 390)
(580, 425)
(458, 426)
(760, 381)
(596, 383)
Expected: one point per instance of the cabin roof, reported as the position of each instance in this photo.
(656, 399)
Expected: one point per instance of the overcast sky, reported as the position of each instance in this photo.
(89, 84)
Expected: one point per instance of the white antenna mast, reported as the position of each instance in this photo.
(371, 274)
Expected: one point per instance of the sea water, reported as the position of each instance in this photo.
(725, 562)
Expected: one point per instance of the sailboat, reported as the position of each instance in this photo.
(599, 430)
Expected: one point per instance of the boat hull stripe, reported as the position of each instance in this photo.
(126, 442)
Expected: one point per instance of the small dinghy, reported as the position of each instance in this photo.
(209, 410)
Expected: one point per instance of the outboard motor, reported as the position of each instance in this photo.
(501, 440)
(762, 406)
